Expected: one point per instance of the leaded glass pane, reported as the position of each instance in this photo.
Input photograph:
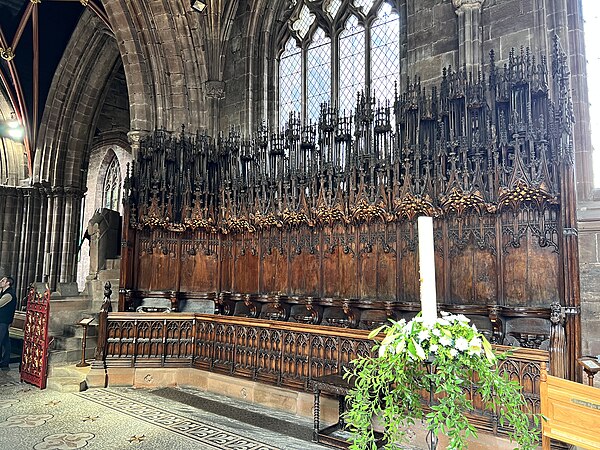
(303, 23)
(385, 52)
(333, 7)
(366, 5)
(112, 186)
(318, 74)
(352, 63)
(290, 81)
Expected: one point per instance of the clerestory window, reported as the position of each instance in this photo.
(335, 49)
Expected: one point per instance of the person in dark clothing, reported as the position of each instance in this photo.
(8, 304)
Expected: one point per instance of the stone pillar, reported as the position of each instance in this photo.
(47, 220)
(38, 235)
(22, 276)
(8, 234)
(215, 91)
(470, 34)
(70, 235)
(55, 218)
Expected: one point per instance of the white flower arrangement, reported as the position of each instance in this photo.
(390, 386)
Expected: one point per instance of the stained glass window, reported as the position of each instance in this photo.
(318, 74)
(385, 52)
(366, 5)
(307, 66)
(306, 19)
(333, 7)
(290, 81)
(112, 186)
(352, 63)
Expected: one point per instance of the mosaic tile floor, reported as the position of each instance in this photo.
(126, 418)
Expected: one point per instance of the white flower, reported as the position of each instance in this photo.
(444, 313)
(462, 318)
(436, 332)
(461, 344)
(475, 346)
(423, 334)
(445, 341)
(453, 352)
(433, 348)
(443, 322)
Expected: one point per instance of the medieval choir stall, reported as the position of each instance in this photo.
(297, 241)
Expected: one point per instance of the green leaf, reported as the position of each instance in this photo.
(376, 331)
(489, 353)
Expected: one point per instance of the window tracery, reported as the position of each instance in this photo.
(111, 192)
(335, 48)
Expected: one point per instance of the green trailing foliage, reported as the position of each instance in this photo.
(391, 387)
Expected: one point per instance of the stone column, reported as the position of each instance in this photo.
(47, 220)
(55, 218)
(215, 91)
(36, 271)
(25, 255)
(9, 234)
(470, 34)
(72, 210)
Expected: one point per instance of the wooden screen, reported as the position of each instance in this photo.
(317, 223)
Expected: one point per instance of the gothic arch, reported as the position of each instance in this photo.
(164, 62)
(74, 98)
(100, 159)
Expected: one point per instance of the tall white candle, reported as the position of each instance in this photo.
(427, 269)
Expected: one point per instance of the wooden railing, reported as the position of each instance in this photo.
(277, 353)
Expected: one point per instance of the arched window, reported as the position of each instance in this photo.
(335, 49)
(111, 190)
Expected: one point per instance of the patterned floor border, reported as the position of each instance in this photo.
(184, 426)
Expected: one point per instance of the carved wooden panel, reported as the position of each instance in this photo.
(305, 267)
(199, 262)
(277, 353)
(408, 262)
(274, 262)
(246, 263)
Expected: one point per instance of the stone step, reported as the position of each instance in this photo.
(66, 384)
(73, 342)
(68, 378)
(113, 264)
(71, 356)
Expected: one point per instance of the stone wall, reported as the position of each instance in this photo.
(589, 258)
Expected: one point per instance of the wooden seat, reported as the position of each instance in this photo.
(336, 385)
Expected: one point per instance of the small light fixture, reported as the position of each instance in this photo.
(199, 5)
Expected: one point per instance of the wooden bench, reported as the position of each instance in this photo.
(571, 412)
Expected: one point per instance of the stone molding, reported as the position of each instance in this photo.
(467, 3)
(215, 89)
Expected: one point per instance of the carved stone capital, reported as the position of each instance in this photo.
(135, 137)
(215, 89)
(467, 3)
